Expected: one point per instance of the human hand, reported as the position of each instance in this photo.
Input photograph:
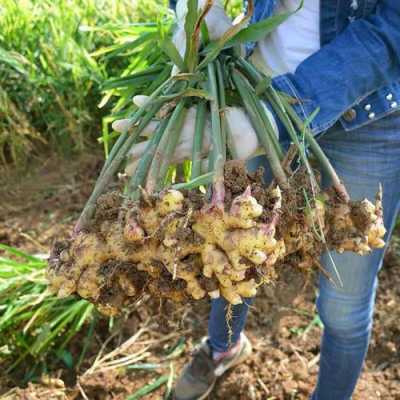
(183, 149)
(243, 134)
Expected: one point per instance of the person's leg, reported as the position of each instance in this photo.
(363, 159)
(223, 333)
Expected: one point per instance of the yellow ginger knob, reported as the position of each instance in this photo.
(170, 201)
(245, 206)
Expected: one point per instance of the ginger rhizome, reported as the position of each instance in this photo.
(195, 224)
(172, 245)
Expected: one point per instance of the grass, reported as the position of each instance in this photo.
(50, 84)
(35, 326)
(55, 58)
(139, 45)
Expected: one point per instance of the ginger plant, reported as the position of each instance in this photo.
(195, 235)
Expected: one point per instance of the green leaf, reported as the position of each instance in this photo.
(263, 85)
(311, 117)
(200, 30)
(214, 48)
(138, 78)
(66, 358)
(168, 391)
(176, 350)
(122, 47)
(144, 366)
(202, 180)
(192, 92)
(127, 83)
(198, 139)
(260, 30)
(168, 47)
(19, 253)
(188, 76)
(148, 388)
(205, 37)
(190, 24)
(14, 60)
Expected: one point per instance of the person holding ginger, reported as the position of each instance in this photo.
(343, 58)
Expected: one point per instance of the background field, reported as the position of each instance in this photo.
(50, 76)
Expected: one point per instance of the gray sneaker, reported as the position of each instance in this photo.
(198, 378)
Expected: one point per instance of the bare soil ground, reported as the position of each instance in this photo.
(43, 204)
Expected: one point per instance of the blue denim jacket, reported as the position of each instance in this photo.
(355, 76)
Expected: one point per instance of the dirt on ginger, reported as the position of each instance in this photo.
(179, 245)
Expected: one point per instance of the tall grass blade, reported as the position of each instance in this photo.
(34, 324)
(151, 387)
(260, 30)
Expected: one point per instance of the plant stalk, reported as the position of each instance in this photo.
(117, 156)
(109, 173)
(165, 149)
(288, 116)
(198, 139)
(318, 152)
(258, 125)
(134, 119)
(276, 103)
(255, 77)
(139, 176)
(201, 180)
(216, 134)
(221, 104)
(218, 193)
(172, 143)
(266, 122)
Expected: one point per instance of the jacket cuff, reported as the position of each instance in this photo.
(302, 105)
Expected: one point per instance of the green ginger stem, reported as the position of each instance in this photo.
(142, 116)
(165, 149)
(216, 133)
(318, 152)
(139, 176)
(109, 173)
(258, 125)
(198, 139)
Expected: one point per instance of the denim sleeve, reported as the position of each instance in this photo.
(172, 4)
(359, 61)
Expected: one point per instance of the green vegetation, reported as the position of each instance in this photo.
(35, 325)
(49, 79)
(55, 57)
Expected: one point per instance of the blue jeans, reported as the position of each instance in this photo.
(363, 158)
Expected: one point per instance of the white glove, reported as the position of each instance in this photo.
(183, 149)
(216, 20)
(243, 135)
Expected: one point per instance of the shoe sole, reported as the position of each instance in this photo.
(245, 353)
(210, 389)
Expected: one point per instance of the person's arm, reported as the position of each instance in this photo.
(359, 61)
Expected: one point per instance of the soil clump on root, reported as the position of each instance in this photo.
(180, 245)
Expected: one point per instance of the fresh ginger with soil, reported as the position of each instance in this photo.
(177, 245)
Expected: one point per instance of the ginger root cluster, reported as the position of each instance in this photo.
(178, 245)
